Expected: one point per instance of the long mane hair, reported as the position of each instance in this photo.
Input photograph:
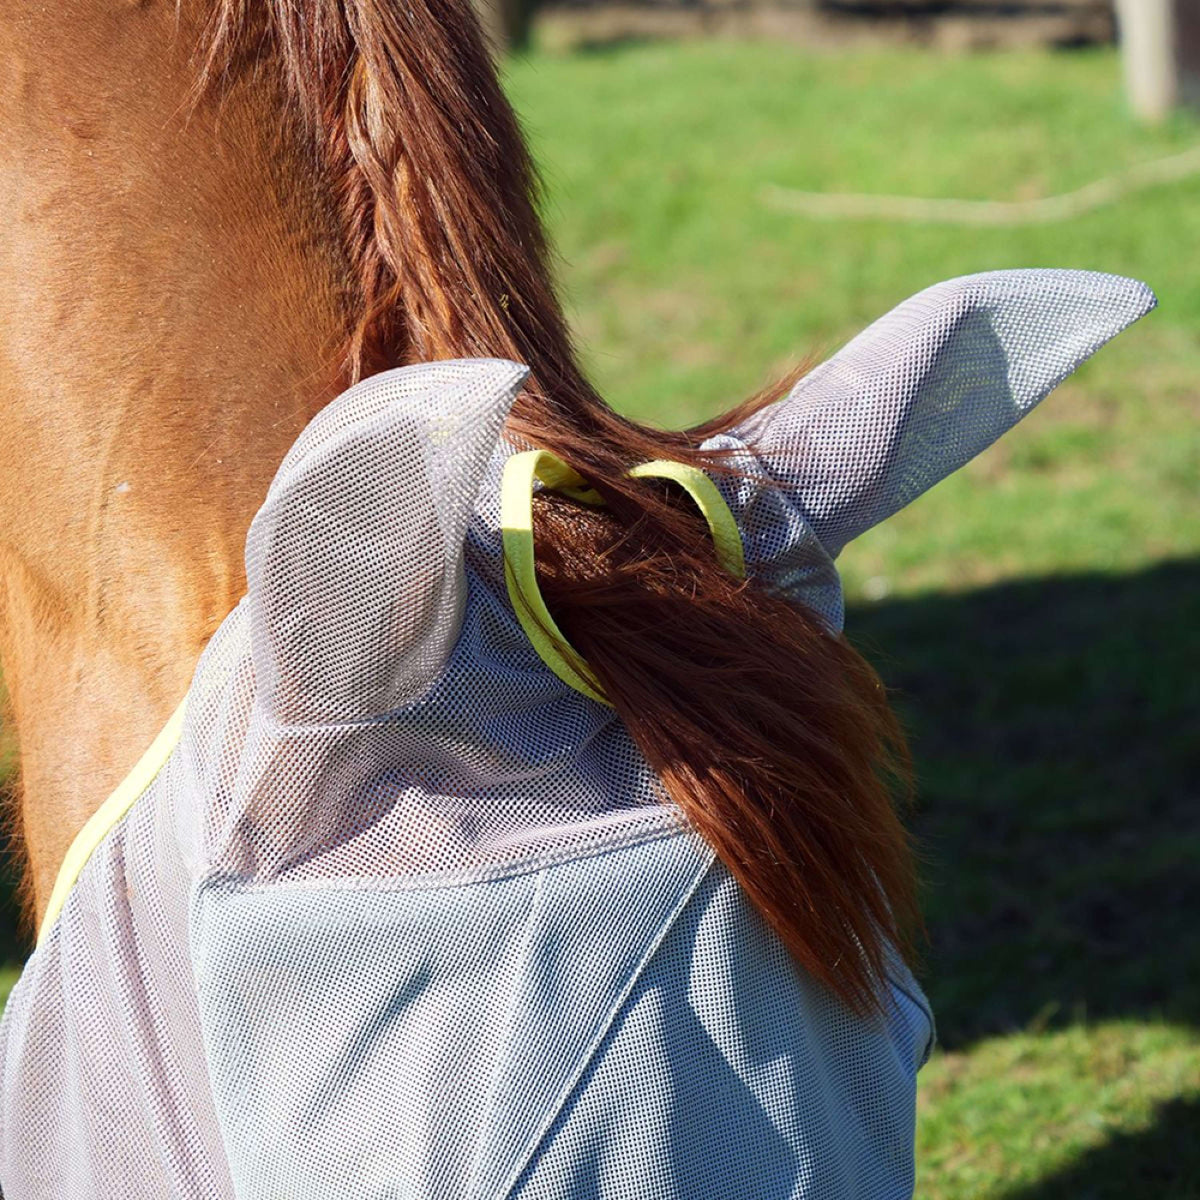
(774, 738)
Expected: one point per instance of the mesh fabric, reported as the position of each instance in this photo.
(910, 400)
(406, 916)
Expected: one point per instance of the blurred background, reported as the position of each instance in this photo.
(734, 185)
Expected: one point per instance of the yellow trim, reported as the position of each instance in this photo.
(108, 814)
(520, 574)
(727, 538)
(520, 570)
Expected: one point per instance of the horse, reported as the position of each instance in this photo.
(227, 215)
(236, 225)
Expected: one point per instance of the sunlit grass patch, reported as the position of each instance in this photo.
(1009, 1115)
(8, 978)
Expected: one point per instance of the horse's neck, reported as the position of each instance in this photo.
(170, 318)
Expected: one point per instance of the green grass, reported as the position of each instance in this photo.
(689, 292)
(8, 976)
(1095, 1091)
(1038, 615)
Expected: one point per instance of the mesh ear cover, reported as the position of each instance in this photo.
(355, 560)
(907, 402)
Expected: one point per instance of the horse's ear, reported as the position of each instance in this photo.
(926, 388)
(354, 562)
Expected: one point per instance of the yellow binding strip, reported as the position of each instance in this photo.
(108, 814)
(520, 566)
(520, 573)
(727, 538)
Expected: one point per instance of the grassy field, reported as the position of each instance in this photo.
(1038, 614)
(8, 976)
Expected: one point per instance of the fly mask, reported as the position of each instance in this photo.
(394, 909)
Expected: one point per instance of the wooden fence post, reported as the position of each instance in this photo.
(1146, 29)
(1160, 44)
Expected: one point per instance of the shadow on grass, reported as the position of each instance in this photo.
(1056, 728)
(13, 946)
(1161, 1162)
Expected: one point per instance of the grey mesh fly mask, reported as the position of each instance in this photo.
(396, 912)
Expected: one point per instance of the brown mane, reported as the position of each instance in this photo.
(775, 739)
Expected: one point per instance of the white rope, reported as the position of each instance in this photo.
(859, 206)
